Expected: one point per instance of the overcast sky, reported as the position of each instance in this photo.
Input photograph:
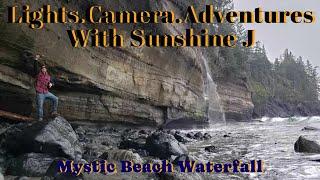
(302, 39)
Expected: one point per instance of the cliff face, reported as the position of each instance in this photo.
(145, 86)
(236, 99)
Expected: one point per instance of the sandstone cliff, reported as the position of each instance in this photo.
(144, 86)
(236, 99)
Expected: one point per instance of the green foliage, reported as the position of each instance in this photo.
(261, 94)
(288, 79)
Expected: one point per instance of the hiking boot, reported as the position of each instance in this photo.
(55, 114)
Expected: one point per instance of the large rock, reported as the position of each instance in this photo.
(55, 137)
(32, 165)
(133, 143)
(310, 128)
(120, 155)
(308, 144)
(132, 139)
(164, 145)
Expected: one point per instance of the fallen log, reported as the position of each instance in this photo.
(14, 117)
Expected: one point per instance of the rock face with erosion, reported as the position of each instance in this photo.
(277, 108)
(236, 99)
(143, 86)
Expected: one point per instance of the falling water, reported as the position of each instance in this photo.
(215, 111)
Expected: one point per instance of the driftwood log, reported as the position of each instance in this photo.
(14, 117)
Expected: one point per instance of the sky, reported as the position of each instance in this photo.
(302, 39)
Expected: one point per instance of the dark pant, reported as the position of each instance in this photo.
(41, 97)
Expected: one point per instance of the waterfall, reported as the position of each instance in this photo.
(215, 113)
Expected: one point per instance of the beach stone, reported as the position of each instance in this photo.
(308, 144)
(164, 145)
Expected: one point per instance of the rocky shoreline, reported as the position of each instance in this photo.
(277, 108)
(32, 149)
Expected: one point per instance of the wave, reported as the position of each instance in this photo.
(290, 119)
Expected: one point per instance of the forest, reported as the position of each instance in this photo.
(289, 79)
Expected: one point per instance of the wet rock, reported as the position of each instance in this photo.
(142, 152)
(91, 152)
(119, 155)
(183, 157)
(8, 131)
(172, 131)
(190, 135)
(32, 164)
(105, 143)
(143, 131)
(164, 145)
(133, 140)
(310, 128)
(307, 144)
(211, 149)
(80, 130)
(133, 143)
(180, 137)
(198, 135)
(207, 136)
(55, 137)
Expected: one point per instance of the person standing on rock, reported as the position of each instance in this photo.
(42, 85)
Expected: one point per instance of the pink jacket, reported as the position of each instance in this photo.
(42, 82)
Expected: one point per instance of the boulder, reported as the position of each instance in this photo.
(180, 137)
(211, 149)
(198, 135)
(201, 136)
(132, 143)
(164, 145)
(207, 136)
(307, 144)
(310, 128)
(55, 137)
(32, 164)
(120, 155)
(132, 139)
(190, 135)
